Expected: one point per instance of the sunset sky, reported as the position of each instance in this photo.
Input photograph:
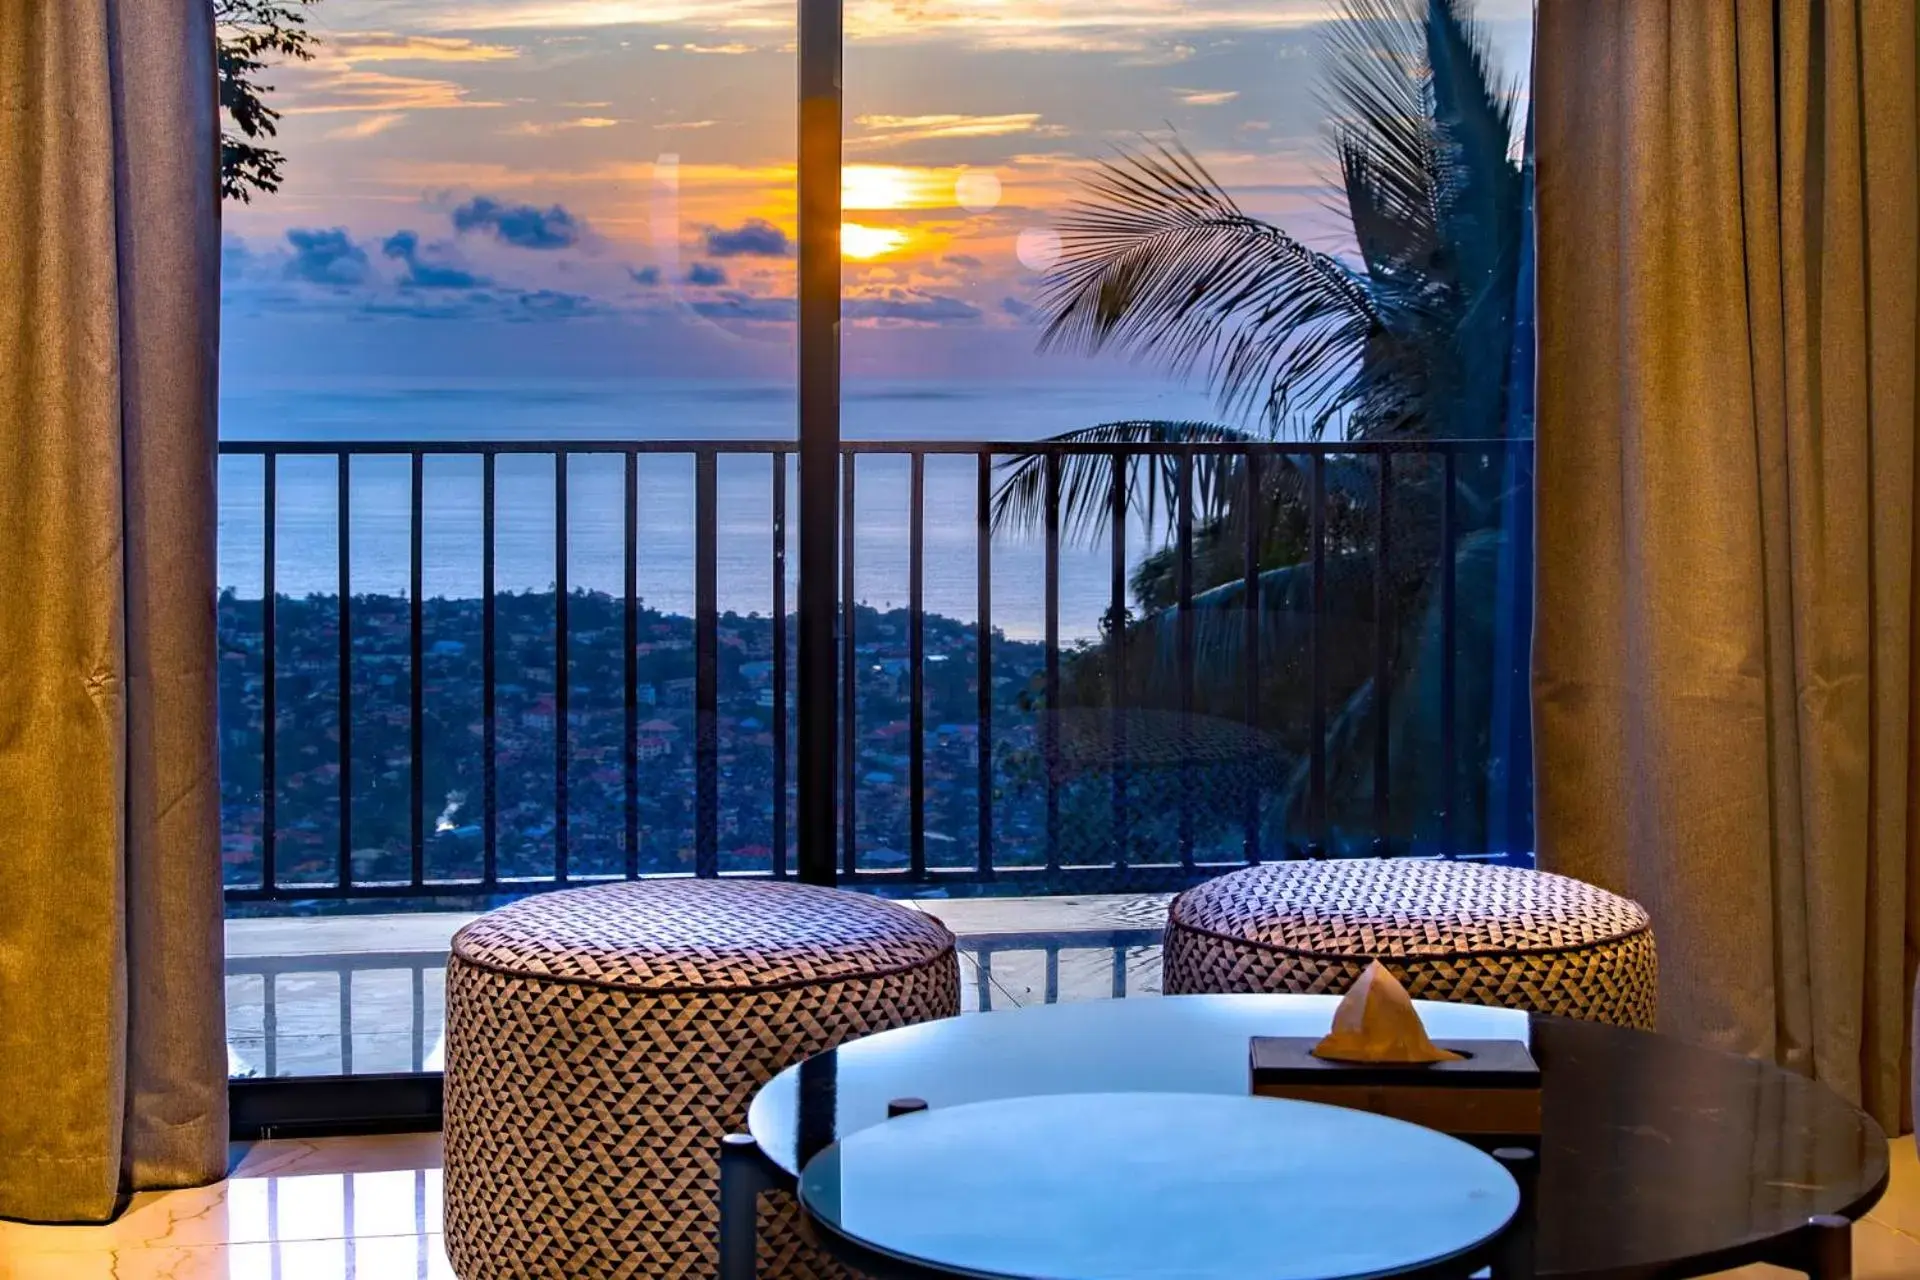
(587, 188)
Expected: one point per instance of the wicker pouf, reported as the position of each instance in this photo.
(601, 1041)
(1461, 932)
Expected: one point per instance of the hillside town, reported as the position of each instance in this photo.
(527, 716)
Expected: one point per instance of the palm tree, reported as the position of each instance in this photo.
(1426, 336)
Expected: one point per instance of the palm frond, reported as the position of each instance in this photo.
(1086, 478)
(1424, 136)
(1377, 93)
(1158, 260)
(1473, 105)
(1392, 208)
(1473, 113)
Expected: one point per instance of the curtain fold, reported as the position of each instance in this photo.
(1725, 635)
(111, 1003)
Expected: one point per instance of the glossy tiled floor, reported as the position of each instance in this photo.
(333, 1209)
(369, 1209)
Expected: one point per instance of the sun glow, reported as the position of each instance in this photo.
(892, 186)
(861, 242)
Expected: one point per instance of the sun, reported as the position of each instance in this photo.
(863, 243)
(892, 186)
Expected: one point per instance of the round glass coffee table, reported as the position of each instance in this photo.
(1658, 1158)
(1156, 1186)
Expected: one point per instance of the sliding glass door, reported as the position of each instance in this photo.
(944, 451)
(1188, 395)
(507, 492)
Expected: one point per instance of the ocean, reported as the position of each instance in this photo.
(379, 489)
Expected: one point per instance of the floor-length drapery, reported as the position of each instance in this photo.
(112, 1066)
(1725, 639)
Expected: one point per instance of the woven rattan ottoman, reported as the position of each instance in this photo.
(601, 1041)
(1462, 932)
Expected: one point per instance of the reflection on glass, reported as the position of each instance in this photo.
(1202, 247)
(382, 1224)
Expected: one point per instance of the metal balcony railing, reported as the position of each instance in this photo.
(297, 1015)
(1233, 724)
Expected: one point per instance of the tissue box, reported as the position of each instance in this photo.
(1493, 1092)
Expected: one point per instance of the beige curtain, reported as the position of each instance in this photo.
(112, 1066)
(1724, 657)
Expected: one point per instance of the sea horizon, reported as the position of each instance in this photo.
(442, 410)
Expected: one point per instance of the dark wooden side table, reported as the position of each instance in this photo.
(1658, 1159)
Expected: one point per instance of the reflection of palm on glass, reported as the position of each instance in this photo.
(1427, 337)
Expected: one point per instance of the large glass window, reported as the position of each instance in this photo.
(1185, 488)
(507, 406)
(1258, 275)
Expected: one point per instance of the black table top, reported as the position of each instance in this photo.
(1657, 1157)
(1160, 1186)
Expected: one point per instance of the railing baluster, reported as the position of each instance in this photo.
(270, 1032)
(1327, 513)
(343, 517)
(1117, 658)
(1049, 718)
(1382, 651)
(1053, 972)
(917, 667)
(779, 665)
(1448, 646)
(849, 696)
(269, 692)
(706, 642)
(1317, 662)
(1184, 538)
(630, 655)
(562, 738)
(1255, 498)
(489, 672)
(983, 658)
(417, 715)
(345, 974)
(417, 1003)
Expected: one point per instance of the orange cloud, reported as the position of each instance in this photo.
(1116, 26)
(892, 131)
(365, 127)
(495, 15)
(385, 46)
(1206, 97)
(529, 129)
(1120, 26)
(325, 88)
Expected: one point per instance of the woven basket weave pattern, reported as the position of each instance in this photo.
(590, 1075)
(1459, 932)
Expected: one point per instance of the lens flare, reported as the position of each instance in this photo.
(976, 190)
(1038, 248)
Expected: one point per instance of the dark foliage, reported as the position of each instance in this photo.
(252, 36)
